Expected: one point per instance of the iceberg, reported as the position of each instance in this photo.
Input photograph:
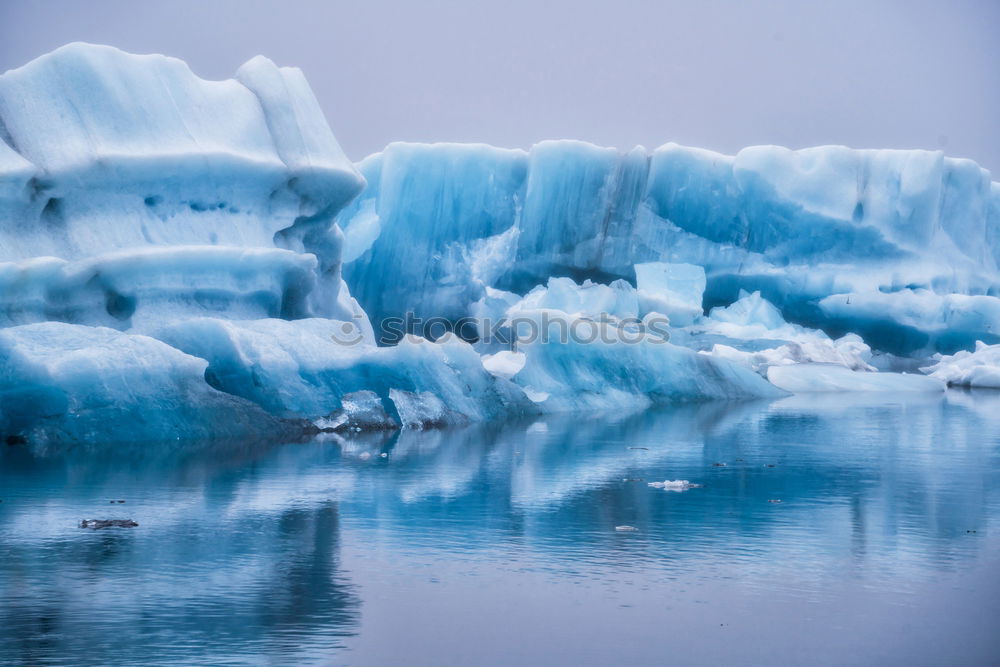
(573, 364)
(306, 368)
(585, 300)
(979, 368)
(797, 226)
(69, 383)
(107, 152)
(183, 258)
(752, 331)
(916, 321)
(813, 378)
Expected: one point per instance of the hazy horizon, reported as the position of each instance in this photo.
(720, 75)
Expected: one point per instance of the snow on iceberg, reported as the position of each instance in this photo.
(980, 368)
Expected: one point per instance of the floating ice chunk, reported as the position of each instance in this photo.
(599, 370)
(674, 485)
(969, 369)
(626, 529)
(305, 368)
(848, 352)
(423, 409)
(360, 410)
(673, 289)
(71, 383)
(757, 336)
(810, 378)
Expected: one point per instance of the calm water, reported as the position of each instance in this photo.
(498, 545)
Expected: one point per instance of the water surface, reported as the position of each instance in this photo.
(496, 544)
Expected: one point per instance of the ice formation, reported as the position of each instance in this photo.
(182, 258)
(295, 369)
(980, 368)
(74, 383)
(811, 378)
(820, 232)
(676, 290)
(110, 153)
(751, 331)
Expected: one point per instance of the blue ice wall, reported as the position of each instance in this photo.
(799, 226)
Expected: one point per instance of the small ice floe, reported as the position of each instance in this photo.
(774, 500)
(384, 455)
(645, 449)
(97, 524)
(718, 465)
(626, 529)
(674, 485)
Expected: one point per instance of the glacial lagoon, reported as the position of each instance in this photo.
(856, 529)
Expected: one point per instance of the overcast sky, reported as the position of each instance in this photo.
(899, 74)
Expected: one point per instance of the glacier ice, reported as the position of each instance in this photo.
(70, 383)
(979, 368)
(183, 258)
(588, 299)
(812, 378)
(305, 368)
(753, 332)
(138, 287)
(676, 290)
(591, 364)
(108, 152)
(798, 226)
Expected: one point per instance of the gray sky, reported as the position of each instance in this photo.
(722, 75)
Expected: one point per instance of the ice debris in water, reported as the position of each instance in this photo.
(674, 485)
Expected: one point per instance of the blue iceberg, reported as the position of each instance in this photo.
(182, 258)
